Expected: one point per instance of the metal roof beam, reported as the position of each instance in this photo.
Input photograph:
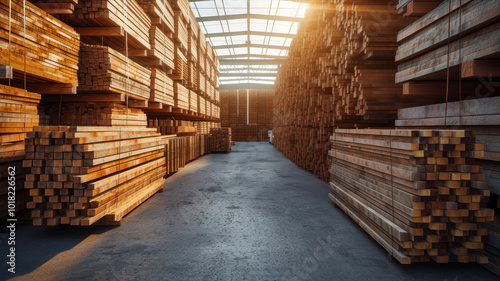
(245, 33)
(250, 46)
(244, 86)
(248, 75)
(250, 55)
(251, 62)
(248, 16)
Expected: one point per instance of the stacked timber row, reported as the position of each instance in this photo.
(248, 115)
(482, 116)
(19, 116)
(145, 52)
(339, 73)
(220, 140)
(418, 193)
(167, 127)
(40, 57)
(203, 128)
(82, 175)
(181, 150)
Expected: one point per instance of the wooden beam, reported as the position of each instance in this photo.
(57, 8)
(6, 72)
(481, 68)
(101, 31)
(60, 89)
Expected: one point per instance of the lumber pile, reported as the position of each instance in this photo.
(482, 116)
(19, 115)
(162, 48)
(418, 193)
(203, 128)
(181, 150)
(47, 52)
(94, 114)
(162, 88)
(181, 96)
(107, 22)
(178, 127)
(160, 12)
(452, 34)
(248, 115)
(416, 8)
(219, 140)
(83, 175)
(104, 70)
(56, 7)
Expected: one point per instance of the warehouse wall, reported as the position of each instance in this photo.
(248, 113)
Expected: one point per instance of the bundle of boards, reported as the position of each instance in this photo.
(81, 175)
(179, 127)
(220, 140)
(482, 116)
(19, 115)
(181, 150)
(37, 44)
(418, 193)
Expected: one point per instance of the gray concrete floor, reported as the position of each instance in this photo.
(247, 215)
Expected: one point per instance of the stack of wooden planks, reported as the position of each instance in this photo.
(418, 193)
(220, 140)
(19, 115)
(111, 22)
(203, 128)
(181, 150)
(47, 52)
(83, 175)
(167, 127)
(161, 13)
(181, 96)
(454, 33)
(482, 116)
(94, 114)
(248, 115)
(162, 49)
(104, 70)
(162, 88)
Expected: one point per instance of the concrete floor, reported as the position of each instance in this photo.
(247, 215)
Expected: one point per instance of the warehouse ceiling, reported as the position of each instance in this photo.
(251, 38)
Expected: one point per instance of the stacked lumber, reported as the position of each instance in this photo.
(94, 114)
(454, 33)
(220, 140)
(181, 150)
(416, 8)
(203, 128)
(162, 48)
(181, 34)
(181, 96)
(202, 106)
(162, 88)
(182, 7)
(160, 12)
(258, 104)
(340, 73)
(84, 175)
(56, 7)
(104, 70)
(482, 116)
(107, 21)
(19, 115)
(418, 193)
(181, 69)
(178, 127)
(47, 51)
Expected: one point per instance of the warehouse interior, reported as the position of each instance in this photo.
(250, 140)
